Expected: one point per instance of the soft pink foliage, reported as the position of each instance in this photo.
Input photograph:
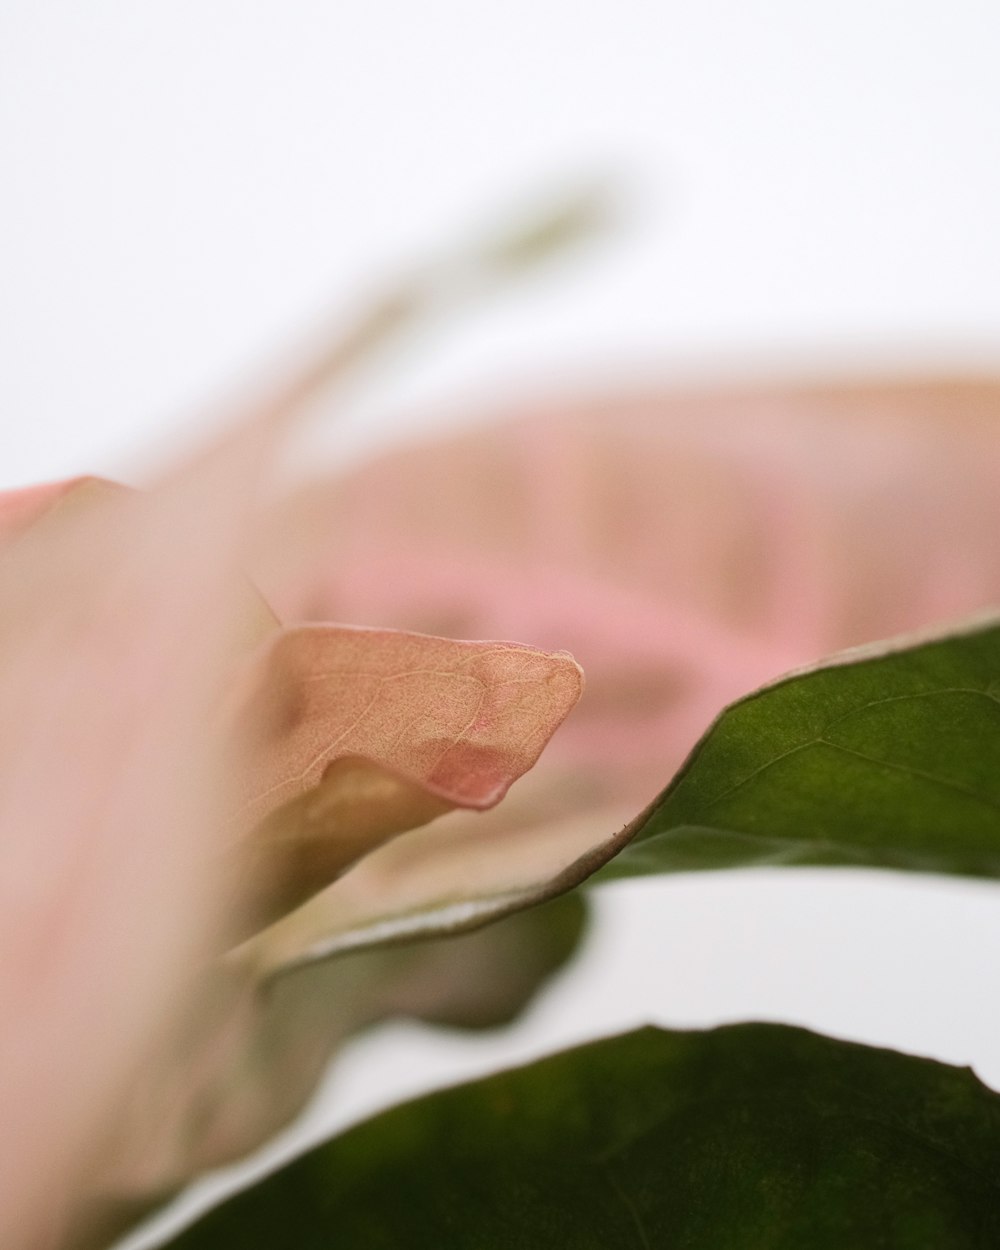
(109, 828)
(20, 508)
(171, 770)
(462, 720)
(685, 546)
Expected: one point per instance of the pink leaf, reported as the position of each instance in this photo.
(686, 546)
(362, 734)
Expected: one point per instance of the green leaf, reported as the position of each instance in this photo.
(885, 757)
(754, 1137)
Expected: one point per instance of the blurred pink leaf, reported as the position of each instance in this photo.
(110, 806)
(347, 736)
(686, 546)
(117, 647)
(20, 509)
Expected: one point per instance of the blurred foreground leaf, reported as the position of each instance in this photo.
(254, 1054)
(745, 1137)
(884, 757)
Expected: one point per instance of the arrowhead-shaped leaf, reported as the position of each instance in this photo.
(745, 1137)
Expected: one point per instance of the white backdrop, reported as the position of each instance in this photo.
(187, 183)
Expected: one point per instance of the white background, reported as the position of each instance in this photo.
(188, 183)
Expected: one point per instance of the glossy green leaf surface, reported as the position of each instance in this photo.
(747, 1137)
(881, 758)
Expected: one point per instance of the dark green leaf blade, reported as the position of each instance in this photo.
(751, 1137)
(885, 757)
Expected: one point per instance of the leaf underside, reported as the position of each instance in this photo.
(744, 1137)
(889, 760)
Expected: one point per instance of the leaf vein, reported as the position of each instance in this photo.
(629, 1206)
(910, 771)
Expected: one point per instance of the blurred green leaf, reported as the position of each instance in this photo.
(744, 1138)
(885, 758)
